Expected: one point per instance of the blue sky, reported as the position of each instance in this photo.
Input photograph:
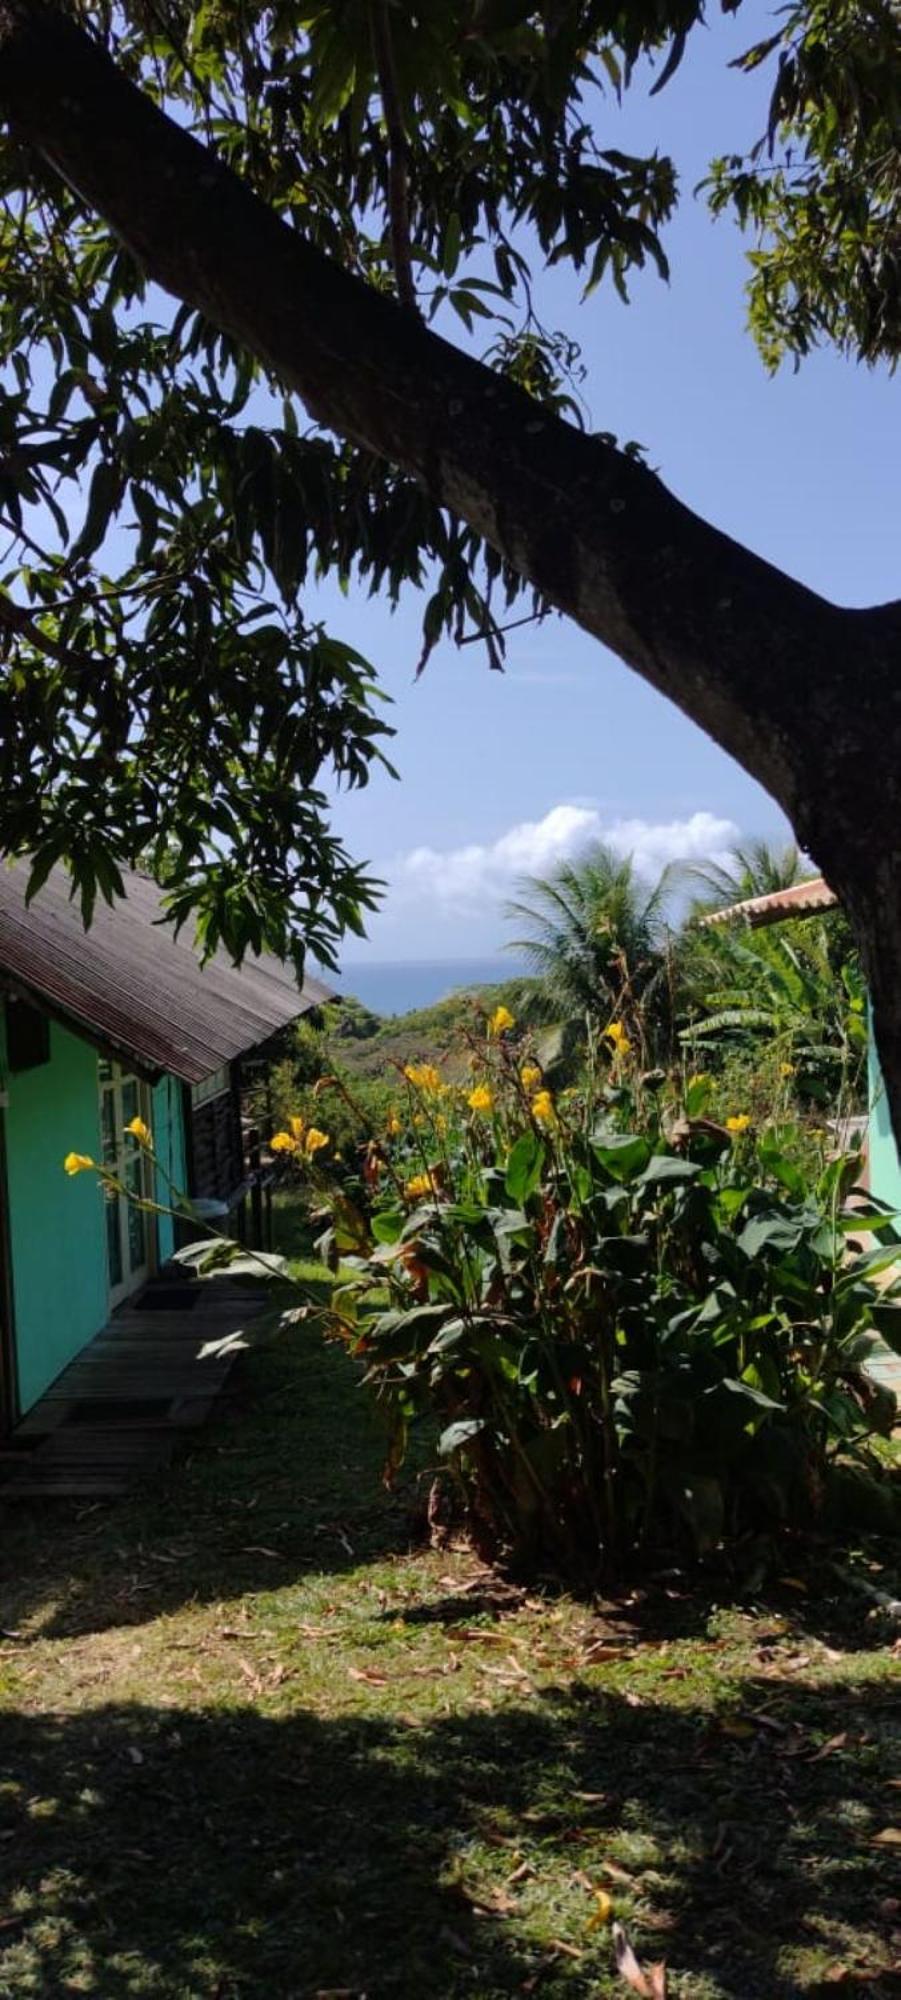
(503, 774)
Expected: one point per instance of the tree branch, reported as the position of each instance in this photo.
(758, 660)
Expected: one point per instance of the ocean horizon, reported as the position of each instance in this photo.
(398, 986)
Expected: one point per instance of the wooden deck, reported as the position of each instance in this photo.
(117, 1412)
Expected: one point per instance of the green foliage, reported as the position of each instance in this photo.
(821, 190)
(754, 868)
(629, 1321)
(163, 695)
(791, 997)
(599, 945)
(307, 1081)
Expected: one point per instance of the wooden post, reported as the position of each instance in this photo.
(256, 1191)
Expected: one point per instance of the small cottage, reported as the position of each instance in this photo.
(98, 1027)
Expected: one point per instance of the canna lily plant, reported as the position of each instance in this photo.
(632, 1324)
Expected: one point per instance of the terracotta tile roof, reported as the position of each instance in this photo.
(804, 899)
(132, 985)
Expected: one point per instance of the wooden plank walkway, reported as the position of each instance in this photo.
(117, 1411)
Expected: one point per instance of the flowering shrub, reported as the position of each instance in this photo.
(630, 1321)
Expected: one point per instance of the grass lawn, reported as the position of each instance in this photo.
(257, 1740)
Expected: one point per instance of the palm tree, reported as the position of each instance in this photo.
(796, 986)
(753, 869)
(597, 941)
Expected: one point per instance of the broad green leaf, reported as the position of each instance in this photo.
(525, 1165)
(459, 1435)
(624, 1155)
(667, 1169)
(770, 1233)
(388, 1225)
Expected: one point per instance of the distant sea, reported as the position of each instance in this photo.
(398, 988)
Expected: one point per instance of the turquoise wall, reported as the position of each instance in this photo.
(167, 1122)
(56, 1224)
(885, 1169)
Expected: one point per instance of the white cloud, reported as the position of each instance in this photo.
(701, 837)
(462, 880)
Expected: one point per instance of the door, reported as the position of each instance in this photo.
(128, 1239)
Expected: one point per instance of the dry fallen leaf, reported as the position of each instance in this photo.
(476, 1634)
(650, 1984)
(618, 1874)
(603, 1650)
(369, 1675)
(889, 1837)
(834, 1743)
(765, 1721)
(521, 1874)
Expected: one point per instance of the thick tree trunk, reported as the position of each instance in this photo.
(803, 693)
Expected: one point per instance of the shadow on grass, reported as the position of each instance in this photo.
(188, 1855)
(284, 1482)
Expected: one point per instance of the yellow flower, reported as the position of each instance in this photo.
(500, 1020)
(701, 1077)
(314, 1141)
(393, 1126)
(425, 1077)
(282, 1142)
(140, 1131)
(530, 1076)
(480, 1099)
(441, 1125)
(417, 1185)
(543, 1108)
(739, 1122)
(76, 1163)
(787, 1069)
(298, 1127)
(616, 1034)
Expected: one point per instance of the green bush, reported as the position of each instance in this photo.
(633, 1322)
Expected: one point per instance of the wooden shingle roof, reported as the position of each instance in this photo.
(130, 984)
